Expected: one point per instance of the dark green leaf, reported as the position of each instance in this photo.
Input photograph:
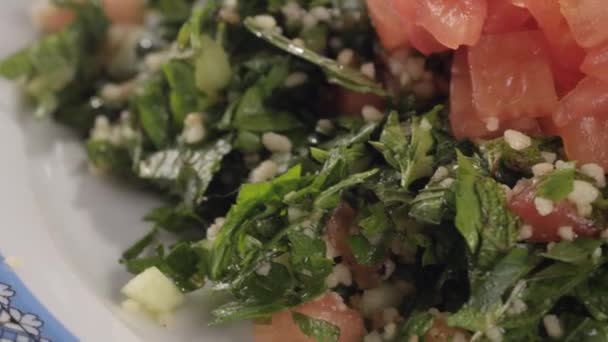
(236, 311)
(576, 252)
(187, 172)
(593, 293)
(331, 197)
(545, 288)
(336, 73)
(184, 97)
(139, 246)
(153, 113)
(485, 304)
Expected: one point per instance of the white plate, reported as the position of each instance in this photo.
(68, 228)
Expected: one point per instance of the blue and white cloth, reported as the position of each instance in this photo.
(22, 317)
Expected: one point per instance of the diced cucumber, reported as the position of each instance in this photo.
(154, 291)
(213, 71)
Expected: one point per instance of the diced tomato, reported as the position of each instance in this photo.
(566, 54)
(548, 127)
(125, 11)
(585, 140)
(50, 18)
(418, 36)
(504, 16)
(351, 103)
(463, 116)
(387, 23)
(589, 98)
(452, 22)
(511, 76)
(338, 229)
(464, 119)
(423, 41)
(545, 228)
(588, 20)
(596, 62)
(329, 308)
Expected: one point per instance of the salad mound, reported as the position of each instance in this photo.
(404, 170)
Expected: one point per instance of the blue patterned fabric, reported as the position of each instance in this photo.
(22, 317)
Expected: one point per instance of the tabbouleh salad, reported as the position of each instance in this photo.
(347, 170)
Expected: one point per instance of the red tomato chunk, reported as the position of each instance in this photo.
(586, 140)
(504, 16)
(587, 19)
(589, 98)
(388, 24)
(511, 76)
(329, 308)
(545, 228)
(596, 63)
(452, 22)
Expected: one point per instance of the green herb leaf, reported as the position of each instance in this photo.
(320, 330)
(235, 311)
(481, 214)
(417, 325)
(593, 293)
(57, 66)
(184, 98)
(557, 185)
(413, 157)
(575, 252)
(545, 288)
(485, 304)
(186, 172)
(469, 215)
(331, 197)
(153, 113)
(376, 222)
(336, 73)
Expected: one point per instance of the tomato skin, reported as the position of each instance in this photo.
(465, 121)
(585, 140)
(424, 42)
(387, 23)
(328, 308)
(545, 228)
(566, 55)
(511, 76)
(452, 22)
(589, 98)
(338, 228)
(418, 37)
(587, 20)
(596, 62)
(504, 16)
